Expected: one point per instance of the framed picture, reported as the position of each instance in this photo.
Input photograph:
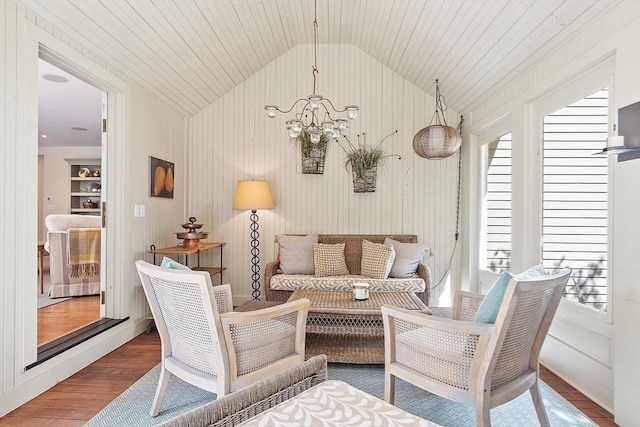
(162, 178)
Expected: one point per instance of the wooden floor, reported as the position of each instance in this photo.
(77, 399)
(62, 318)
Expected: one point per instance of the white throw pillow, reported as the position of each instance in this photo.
(296, 253)
(377, 260)
(408, 256)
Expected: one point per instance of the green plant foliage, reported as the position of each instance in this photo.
(362, 157)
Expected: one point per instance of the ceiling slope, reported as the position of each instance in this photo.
(191, 52)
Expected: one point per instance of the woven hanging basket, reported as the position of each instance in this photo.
(313, 159)
(365, 183)
(436, 142)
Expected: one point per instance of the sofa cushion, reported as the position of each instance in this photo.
(377, 260)
(296, 253)
(490, 305)
(291, 282)
(329, 260)
(408, 256)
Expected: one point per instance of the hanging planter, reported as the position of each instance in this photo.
(365, 183)
(437, 141)
(363, 161)
(312, 154)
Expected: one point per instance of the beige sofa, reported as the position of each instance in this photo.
(279, 286)
(62, 282)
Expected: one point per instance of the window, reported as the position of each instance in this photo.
(575, 197)
(496, 230)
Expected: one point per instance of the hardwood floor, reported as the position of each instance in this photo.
(77, 399)
(62, 318)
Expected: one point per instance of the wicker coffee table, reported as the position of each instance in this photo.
(348, 330)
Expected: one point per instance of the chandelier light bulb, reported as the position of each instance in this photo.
(352, 111)
(292, 133)
(327, 127)
(295, 125)
(271, 110)
(335, 134)
(314, 101)
(341, 124)
(315, 137)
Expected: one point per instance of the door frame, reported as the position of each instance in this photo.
(39, 44)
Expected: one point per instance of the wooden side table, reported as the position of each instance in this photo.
(180, 250)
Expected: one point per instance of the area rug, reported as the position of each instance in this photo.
(45, 301)
(132, 407)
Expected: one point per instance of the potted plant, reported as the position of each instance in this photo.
(363, 161)
(313, 154)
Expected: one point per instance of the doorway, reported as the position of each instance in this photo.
(70, 141)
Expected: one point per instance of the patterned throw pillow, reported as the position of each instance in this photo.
(408, 256)
(377, 260)
(329, 260)
(296, 253)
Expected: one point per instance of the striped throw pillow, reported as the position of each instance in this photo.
(377, 260)
(329, 260)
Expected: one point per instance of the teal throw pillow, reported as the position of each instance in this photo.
(490, 305)
(169, 263)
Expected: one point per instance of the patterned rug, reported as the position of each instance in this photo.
(132, 407)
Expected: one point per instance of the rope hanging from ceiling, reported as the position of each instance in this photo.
(437, 141)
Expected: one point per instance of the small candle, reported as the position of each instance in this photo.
(361, 291)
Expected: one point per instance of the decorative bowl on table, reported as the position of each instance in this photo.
(191, 237)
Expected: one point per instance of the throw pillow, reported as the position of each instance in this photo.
(377, 260)
(408, 256)
(329, 260)
(296, 253)
(169, 263)
(490, 305)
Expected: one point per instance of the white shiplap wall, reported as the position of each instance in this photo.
(233, 140)
(144, 125)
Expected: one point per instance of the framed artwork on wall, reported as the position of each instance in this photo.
(162, 178)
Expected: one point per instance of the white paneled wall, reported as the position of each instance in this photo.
(234, 140)
(144, 126)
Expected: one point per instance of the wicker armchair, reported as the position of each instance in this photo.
(206, 344)
(479, 364)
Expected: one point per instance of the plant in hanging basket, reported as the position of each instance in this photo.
(312, 154)
(363, 161)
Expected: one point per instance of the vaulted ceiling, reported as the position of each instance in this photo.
(191, 52)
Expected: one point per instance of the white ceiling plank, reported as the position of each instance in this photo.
(191, 52)
(116, 19)
(72, 21)
(171, 48)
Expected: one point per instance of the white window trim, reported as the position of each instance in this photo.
(589, 82)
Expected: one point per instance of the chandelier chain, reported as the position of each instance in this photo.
(315, 46)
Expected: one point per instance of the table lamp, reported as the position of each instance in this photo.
(253, 195)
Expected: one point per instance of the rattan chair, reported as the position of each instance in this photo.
(479, 364)
(206, 344)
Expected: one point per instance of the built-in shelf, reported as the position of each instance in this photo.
(85, 189)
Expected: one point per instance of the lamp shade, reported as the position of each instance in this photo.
(253, 195)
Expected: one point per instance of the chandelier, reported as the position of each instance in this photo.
(318, 115)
